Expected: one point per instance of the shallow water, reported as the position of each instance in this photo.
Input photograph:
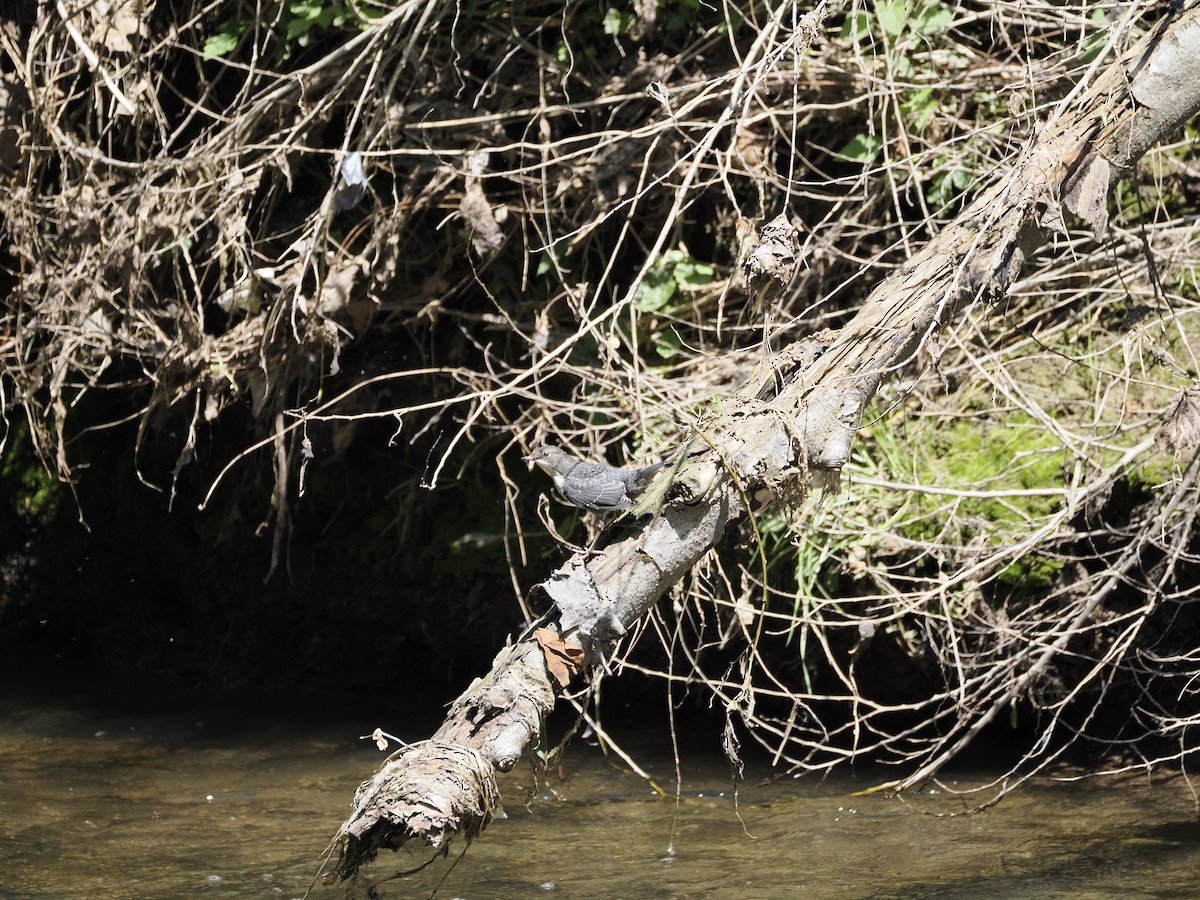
(124, 787)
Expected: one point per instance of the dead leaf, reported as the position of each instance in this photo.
(1087, 193)
(116, 24)
(772, 262)
(564, 660)
(1181, 430)
(1052, 218)
(751, 148)
(486, 236)
(339, 284)
(745, 610)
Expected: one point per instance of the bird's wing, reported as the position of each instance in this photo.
(598, 495)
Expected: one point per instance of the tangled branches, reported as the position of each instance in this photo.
(559, 201)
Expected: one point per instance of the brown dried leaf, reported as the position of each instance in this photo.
(118, 21)
(769, 268)
(1087, 193)
(1052, 218)
(338, 287)
(1181, 431)
(486, 236)
(564, 660)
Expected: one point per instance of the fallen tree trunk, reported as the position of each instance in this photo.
(797, 414)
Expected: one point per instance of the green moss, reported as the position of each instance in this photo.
(1008, 473)
(980, 455)
(26, 485)
(1031, 574)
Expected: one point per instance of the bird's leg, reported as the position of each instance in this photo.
(595, 538)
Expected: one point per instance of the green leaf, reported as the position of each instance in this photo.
(892, 14)
(667, 344)
(655, 292)
(221, 43)
(862, 148)
(616, 22)
(682, 15)
(692, 271)
(930, 18)
(674, 268)
(299, 27)
(919, 108)
(1095, 42)
(857, 26)
(947, 186)
(306, 9)
(550, 263)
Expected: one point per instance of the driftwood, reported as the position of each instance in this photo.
(795, 416)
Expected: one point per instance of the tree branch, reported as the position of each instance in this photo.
(797, 413)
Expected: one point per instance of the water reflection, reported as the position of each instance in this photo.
(114, 787)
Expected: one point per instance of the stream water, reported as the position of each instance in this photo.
(115, 786)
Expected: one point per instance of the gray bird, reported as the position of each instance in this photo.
(590, 485)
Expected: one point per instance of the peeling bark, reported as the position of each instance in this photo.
(796, 414)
